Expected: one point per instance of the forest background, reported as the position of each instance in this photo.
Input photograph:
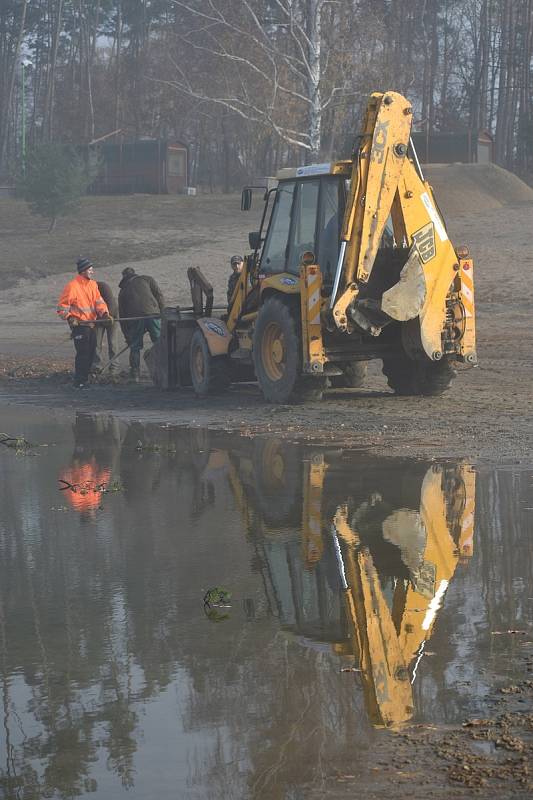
(253, 85)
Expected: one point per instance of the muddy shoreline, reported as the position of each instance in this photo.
(487, 415)
(482, 758)
(474, 421)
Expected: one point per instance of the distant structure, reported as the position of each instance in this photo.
(7, 188)
(151, 166)
(469, 147)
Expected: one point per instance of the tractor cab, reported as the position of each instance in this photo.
(306, 217)
(306, 213)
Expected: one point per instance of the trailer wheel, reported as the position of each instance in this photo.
(277, 356)
(408, 377)
(354, 375)
(209, 374)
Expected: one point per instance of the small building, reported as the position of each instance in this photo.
(7, 188)
(151, 166)
(468, 147)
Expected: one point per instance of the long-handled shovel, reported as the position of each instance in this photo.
(111, 360)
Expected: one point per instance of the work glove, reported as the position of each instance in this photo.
(73, 322)
(108, 318)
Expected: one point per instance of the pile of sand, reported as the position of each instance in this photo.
(475, 188)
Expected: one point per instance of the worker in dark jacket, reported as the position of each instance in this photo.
(237, 264)
(139, 296)
(108, 330)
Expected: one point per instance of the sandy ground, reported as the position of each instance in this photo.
(487, 415)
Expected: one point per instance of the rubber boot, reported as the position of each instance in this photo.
(135, 365)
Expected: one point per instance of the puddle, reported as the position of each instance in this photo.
(349, 595)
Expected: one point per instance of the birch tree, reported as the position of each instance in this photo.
(267, 58)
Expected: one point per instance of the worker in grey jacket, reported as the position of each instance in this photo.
(108, 330)
(139, 296)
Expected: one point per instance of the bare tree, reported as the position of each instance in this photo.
(269, 58)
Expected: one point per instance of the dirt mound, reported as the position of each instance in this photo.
(476, 188)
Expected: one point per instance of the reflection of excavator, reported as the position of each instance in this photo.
(387, 638)
(371, 582)
(352, 262)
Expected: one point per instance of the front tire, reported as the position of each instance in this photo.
(407, 377)
(209, 374)
(277, 356)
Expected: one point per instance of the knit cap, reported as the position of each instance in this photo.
(82, 264)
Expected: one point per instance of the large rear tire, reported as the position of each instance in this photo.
(353, 375)
(209, 374)
(408, 377)
(277, 356)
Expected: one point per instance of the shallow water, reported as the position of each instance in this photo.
(365, 595)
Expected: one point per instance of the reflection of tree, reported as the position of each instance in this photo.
(288, 735)
(41, 626)
(121, 722)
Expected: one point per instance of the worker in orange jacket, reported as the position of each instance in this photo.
(81, 304)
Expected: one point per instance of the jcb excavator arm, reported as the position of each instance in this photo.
(376, 170)
(384, 181)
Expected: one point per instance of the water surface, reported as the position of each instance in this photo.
(365, 594)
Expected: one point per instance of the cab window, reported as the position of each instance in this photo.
(275, 249)
(304, 224)
(329, 223)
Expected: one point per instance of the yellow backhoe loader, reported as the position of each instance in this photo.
(352, 262)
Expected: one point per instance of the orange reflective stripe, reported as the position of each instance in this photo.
(83, 309)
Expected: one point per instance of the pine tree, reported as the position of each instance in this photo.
(55, 179)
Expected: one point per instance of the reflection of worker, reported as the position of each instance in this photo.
(97, 435)
(80, 305)
(96, 450)
(108, 331)
(84, 484)
(236, 269)
(139, 296)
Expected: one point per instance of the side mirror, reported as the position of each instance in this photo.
(246, 199)
(254, 240)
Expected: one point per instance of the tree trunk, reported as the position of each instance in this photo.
(504, 85)
(525, 101)
(118, 38)
(433, 64)
(314, 33)
(48, 121)
(4, 123)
